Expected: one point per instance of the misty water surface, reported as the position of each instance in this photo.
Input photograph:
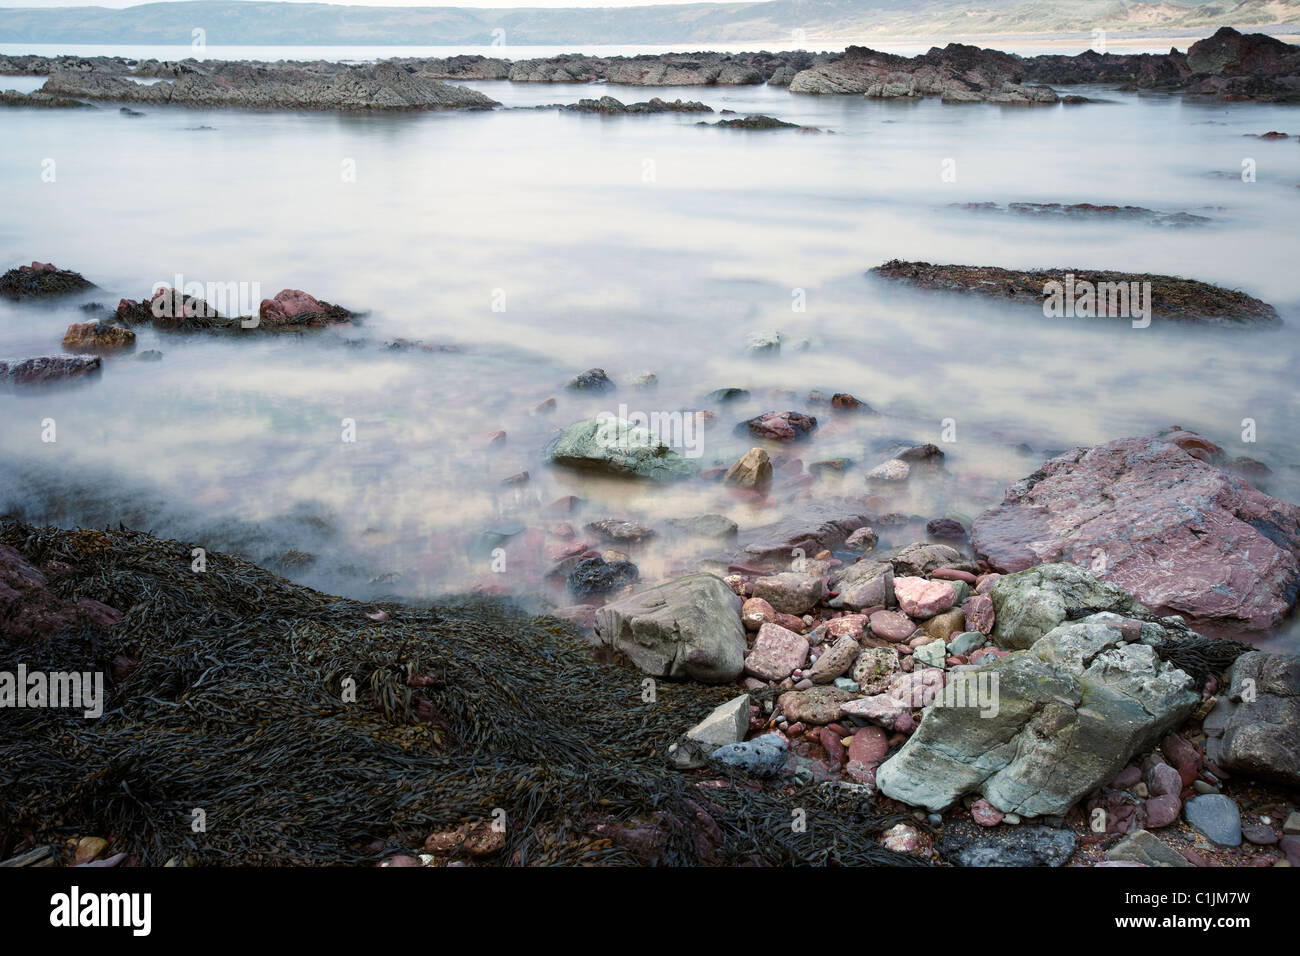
(630, 243)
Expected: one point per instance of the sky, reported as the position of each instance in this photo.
(492, 4)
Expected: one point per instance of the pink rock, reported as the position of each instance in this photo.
(790, 622)
(985, 582)
(781, 426)
(859, 772)
(892, 625)
(1162, 810)
(1163, 779)
(901, 838)
(1230, 564)
(1128, 777)
(922, 599)
(881, 709)
(917, 689)
(954, 574)
(985, 814)
(979, 614)
(830, 742)
(756, 612)
(291, 304)
(869, 746)
(986, 654)
(850, 625)
(777, 652)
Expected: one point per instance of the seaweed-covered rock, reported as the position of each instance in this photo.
(1064, 718)
(688, 628)
(42, 280)
(1172, 298)
(592, 576)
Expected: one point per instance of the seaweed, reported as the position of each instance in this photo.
(227, 693)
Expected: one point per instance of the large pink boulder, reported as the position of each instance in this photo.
(1159, 518)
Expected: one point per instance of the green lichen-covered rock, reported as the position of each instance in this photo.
(616, 447)
(1032, 602)
(1037, 730)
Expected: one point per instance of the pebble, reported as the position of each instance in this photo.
(1259, 835)
(1217, 817)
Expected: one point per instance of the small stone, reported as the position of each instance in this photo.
(892, 625)
(966, 642)
(863, 540)
(893, 470)
(1216, 816)
(90, 848)
(753, 470)
(1162, 810)
(1292, 824)
(592, 380)
(836, 659)
(777, 652)
(920, 598)
(901, 838)
(1260, 835)
(933, 654)
(790, 592)
(756, 612)
(985, 814)
(763, 756)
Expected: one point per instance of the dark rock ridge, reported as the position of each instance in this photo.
(308, 86)
(1172, 297)
(1161, 518)
(609, 106)
(1088, 211)
(1229, 65)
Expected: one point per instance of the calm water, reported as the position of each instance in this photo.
(629, 243)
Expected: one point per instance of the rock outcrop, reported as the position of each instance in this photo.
(42, 280)
(1160, 519)
(1109, 295)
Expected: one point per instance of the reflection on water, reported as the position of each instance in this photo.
(629, 243)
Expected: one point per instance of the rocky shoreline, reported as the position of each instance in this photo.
(982, 710)
(1228, 66)
(1066, 679)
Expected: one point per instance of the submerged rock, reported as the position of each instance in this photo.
(1066, 716)
(614, 446)
(688, 628)
(41, 280)
(48, 369)
(1157, 518)
(94, 337)
(1172, 298)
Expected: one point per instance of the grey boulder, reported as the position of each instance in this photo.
(1067, 715)
(687, 629)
